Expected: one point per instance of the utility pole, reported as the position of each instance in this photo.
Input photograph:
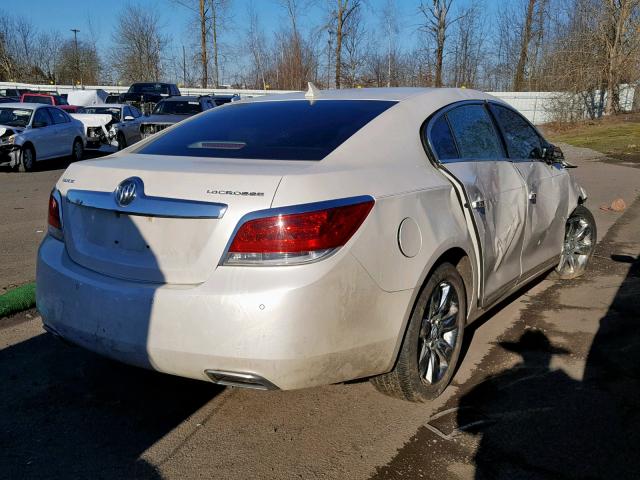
(184, 67)
(75, 41)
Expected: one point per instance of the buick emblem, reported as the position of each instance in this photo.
(126, 192)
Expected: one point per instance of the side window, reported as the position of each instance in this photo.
(474, 133)
(135, 111)
(442, 140)
(41, 118)
(58, 115)
(521, 138)
(127, 112)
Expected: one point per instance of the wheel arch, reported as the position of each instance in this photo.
(460, 258)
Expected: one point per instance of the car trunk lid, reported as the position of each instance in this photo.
(176, 228)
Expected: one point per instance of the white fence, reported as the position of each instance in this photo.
(538, 107)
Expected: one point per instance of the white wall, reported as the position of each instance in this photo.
(533, 105)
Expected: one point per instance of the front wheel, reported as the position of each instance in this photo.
(27, 159)
(122, 141)
(433, 340)
(579, 244)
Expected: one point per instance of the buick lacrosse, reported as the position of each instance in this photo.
(296, 240)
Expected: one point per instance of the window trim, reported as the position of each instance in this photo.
(428, 124)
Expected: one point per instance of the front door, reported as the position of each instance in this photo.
(42, 135)
(546, 190)
(493, 190)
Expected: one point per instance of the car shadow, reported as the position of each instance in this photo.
(68, 413)
(533, 421)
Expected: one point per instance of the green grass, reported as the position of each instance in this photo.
(18, 299)
(620, 140)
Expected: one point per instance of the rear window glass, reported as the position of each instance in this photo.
(442, 140)
(278, 130)
(38, 99)
(475, 136)
(177, 107)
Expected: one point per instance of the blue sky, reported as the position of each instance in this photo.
(63, 15)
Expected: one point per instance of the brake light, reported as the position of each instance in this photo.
(296, 238)
(54, 217)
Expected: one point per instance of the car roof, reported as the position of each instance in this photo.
(395, 94)
(25, 105)
(189, 98)
(107, 105)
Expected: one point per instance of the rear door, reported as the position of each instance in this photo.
(467, 145)
(546, 190)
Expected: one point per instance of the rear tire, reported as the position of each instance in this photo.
(27, 160)
(579, 243)
(431, 347)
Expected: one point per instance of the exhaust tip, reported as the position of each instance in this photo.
(242, 380)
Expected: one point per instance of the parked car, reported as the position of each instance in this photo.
(112, 98)
(48, 99)
(34, 132)
(14, 92)
(173, 110)
(221, 99)
(305, 239)
(146, 95)
(113, 125)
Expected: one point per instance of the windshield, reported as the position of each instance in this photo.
(274, 130)
(38, 99)
(15, 117)
(113, 111)
(177, 107)
(149, 88)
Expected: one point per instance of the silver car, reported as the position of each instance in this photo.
(297, 240)
(31, 132)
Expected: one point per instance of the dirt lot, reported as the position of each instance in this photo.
(557, 403)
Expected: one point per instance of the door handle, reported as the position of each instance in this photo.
(478, 204)
(533, 197)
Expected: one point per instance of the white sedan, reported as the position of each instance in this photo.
(298, 240)
(114, 126)
(31, 132)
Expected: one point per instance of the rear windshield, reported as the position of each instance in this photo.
(177, 107)
(149, 88)
(38, 99)
(278, 130)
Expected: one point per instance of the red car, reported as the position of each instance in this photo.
(48, 99)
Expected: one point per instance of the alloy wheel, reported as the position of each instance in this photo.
(438, 333)
(578, 246)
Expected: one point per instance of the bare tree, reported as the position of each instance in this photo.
(436, 23)
(525, 39)
(340, 16)
(620, 29)
(138, 44)
(219, 12)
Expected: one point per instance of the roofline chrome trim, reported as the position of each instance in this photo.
(148, 206)
(289, 210)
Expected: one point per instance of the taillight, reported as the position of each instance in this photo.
(294, 238)
(55, 215)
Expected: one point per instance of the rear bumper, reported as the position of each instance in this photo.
(291, 326)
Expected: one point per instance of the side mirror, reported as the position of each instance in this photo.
(128, 118)
(553, 155)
